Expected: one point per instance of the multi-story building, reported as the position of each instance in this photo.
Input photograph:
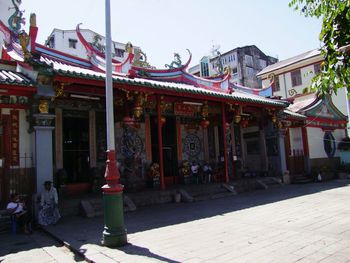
(318, 138)
(244, 62)
(67, 41)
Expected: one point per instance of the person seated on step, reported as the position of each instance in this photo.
(195, 171)
(17, 208)
(48, 213)
(207, 170)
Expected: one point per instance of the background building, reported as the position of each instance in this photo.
(245, 62)
(318, 138)
(67, 41)
(293, 76)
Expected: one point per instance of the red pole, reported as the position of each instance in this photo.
(160, 144)
(225, 142)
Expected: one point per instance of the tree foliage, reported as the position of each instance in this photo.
(335, 36)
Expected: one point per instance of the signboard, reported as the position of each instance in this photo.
(14, 120)
(185, 110)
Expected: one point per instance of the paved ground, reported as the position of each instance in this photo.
(295, 223)
(37, 248)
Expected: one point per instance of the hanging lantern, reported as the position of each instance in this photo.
(274, 117)
(138, 105)
(245, 123)
(137, 111)
(237, 118)
(205, 124)
(162, 120)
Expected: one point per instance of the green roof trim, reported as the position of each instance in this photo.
(178, 87)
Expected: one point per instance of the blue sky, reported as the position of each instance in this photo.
(162, 27)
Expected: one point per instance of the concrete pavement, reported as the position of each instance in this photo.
(38, 248)
(294, 223)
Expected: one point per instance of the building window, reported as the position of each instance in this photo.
(317, 68)
(250, 72)
(119, 52)
(204, 69)
(262, 64)
(276, 84)
(72, 43)
(296, 78)
(249, 60)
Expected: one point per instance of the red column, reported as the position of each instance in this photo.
(160, 144)
(223, 113)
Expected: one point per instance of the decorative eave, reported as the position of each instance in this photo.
(98, 59)
(319, 112)
(70, 74)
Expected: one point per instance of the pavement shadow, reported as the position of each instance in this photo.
(11, 244)
(142, 251)
(176, 213)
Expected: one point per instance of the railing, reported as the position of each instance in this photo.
(20, 180)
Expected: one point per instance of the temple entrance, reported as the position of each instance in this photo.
(169, 148)
(76, 146)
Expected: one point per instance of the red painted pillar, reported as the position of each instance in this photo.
(160, 144)
(223, 113)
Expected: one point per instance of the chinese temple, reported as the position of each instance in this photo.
(54, 128)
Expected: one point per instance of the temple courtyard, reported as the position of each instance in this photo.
(291, 223)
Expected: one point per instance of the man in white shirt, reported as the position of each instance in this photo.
(17, 209)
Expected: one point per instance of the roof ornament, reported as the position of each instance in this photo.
(16, 20)
(96, 43)
(140, 59)
(176, 63)
(219, 67)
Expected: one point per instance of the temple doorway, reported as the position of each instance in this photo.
(169, 148)
(76, 146)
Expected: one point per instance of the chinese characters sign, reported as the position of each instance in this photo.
(14, 120)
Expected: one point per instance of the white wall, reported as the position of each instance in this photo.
(25, 142)
(315, 138)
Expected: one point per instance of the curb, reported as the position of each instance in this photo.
(67, 245)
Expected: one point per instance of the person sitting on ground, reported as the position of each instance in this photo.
(48, 213)
(16, 207)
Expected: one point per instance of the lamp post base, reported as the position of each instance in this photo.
(114, 234)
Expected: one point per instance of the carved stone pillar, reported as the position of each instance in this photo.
(281, 133)
(43, 148)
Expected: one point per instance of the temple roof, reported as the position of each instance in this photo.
(9, 77)
(78, 72)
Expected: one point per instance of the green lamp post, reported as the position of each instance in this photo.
(114, 233)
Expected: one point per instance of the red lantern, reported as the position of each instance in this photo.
(245, 123)
(205, 124)
(162, 120)
(128, 121)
